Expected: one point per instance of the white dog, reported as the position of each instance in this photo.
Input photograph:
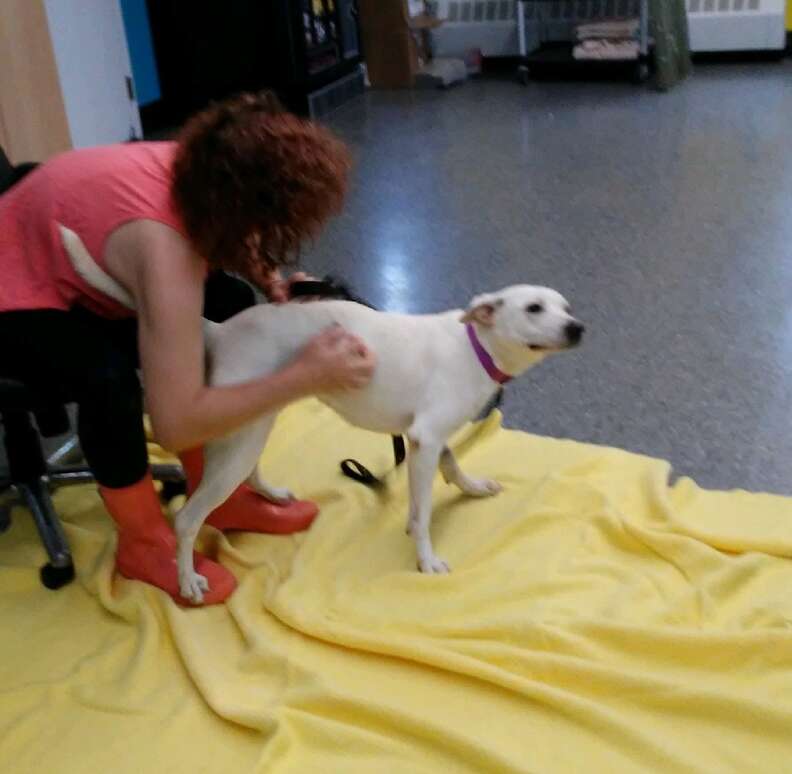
(433, 374)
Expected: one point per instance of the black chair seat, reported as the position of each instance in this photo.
(52, 419)
(14, 395)
(28, 479)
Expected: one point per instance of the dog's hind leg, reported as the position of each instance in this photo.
(227, 462)
(272, 493)
(474, 487)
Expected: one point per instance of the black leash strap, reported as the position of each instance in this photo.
(330, 288)
(494, 403)
(357, 471)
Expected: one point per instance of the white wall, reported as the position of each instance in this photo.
(93, 64)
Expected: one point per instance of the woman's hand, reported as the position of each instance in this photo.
(335, 360)
(275, 287)
(278, 290)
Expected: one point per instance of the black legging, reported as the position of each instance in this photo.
(78, 357)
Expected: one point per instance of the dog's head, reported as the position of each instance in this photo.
(523, 323)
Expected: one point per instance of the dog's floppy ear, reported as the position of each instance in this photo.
(482, 309)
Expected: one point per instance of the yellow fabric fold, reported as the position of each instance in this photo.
(596, 620)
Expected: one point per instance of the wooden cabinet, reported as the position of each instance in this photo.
(33, 122)
(391, 52)
(65, 77)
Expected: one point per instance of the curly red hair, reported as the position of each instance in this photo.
(253, 182)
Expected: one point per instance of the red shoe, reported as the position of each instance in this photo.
(147, 546)
(246, 509)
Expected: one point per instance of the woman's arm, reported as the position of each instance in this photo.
(167, 281)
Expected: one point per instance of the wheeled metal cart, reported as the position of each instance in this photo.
(555, 22)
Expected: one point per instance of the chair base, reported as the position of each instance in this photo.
(36, 496)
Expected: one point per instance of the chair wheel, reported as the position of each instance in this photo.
(5, 518)
(171, 489)
(56, 577)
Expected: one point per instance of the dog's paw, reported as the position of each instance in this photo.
(482, 487)
(275, 494)
(192, 586)
(433, 565)
(279, 496)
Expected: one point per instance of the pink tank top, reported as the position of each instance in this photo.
(91, 192)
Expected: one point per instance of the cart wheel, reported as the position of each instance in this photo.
(641, 72)
(56, 577)
(171, 489)
(523, 75)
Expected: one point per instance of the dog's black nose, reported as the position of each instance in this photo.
(574, 332)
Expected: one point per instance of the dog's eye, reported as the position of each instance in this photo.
(534, 308)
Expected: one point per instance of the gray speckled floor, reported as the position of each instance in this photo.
(664, 217)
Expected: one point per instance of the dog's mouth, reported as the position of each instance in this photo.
(546, 348)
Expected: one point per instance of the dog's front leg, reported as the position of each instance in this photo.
(473, 487)
(422, 465)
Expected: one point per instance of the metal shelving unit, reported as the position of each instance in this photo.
(558, 55)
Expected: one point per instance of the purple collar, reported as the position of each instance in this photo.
(484, 357)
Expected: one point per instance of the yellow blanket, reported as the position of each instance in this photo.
(596, 621)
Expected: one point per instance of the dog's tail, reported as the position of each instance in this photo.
(90, 271)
